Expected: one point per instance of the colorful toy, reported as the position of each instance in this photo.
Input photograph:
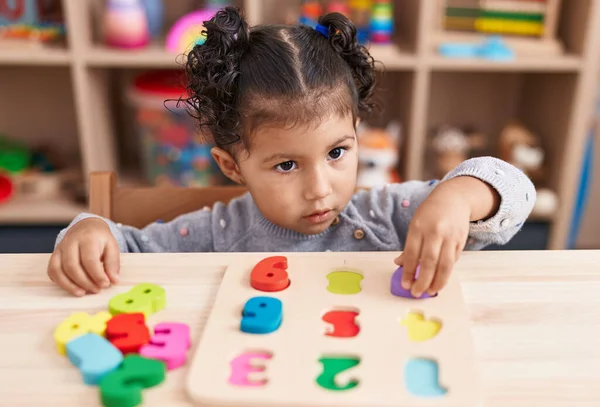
(396, 285)
(492, 48)
(125, 24)
(360, 14)
(270, 275)
(6, 188)
(123, 387)
(128, 332)
(338, 6)
(145, 298)
(170, 344)
(94, 356)
(310, 12)
(407, 352)
(78, 324)
(378, 155)
(186, 33)
(382, 21)
(116, 352)
(155, 10)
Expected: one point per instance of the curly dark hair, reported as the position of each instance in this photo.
(242, 77)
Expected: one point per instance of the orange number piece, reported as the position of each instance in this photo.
(270, 274)
(128, 332)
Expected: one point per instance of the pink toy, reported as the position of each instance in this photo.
(244, 370)
(187, 31)
(170, 344)
(126, 24)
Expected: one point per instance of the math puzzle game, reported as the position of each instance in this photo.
(314, 330)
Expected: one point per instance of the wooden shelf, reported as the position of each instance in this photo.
(35, 56)
(520, 64)
(154, 56)
(28, 211)
(394, 58)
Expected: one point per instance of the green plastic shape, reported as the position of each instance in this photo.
(344, 282)
(14, 157)
(123, 387)
(332, 366)
(145, 298)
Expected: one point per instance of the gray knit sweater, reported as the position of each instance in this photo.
(374, 220)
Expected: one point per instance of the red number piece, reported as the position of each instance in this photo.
(128, 332)
(270, 274)
(344, 324)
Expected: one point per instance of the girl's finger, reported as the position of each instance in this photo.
(444, 268)
(72, 267)
(90, 255)
(429, 261)
(57, 275)
(410, 259)
(111, 260)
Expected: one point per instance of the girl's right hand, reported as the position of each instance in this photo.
(87, 259)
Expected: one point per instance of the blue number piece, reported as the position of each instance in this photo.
(94, 356)
(261, 315)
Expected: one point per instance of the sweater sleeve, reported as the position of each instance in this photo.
(395, 204)
(191, 232)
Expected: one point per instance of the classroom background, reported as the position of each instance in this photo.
(92, 85)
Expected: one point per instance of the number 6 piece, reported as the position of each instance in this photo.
(116, 350)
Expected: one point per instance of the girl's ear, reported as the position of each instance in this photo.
(227, 164)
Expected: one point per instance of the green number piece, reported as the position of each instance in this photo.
(146, 298)
(123, 387)
(333, 366)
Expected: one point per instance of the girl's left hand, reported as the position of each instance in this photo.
(436, 236)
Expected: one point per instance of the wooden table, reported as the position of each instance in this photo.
(536, 324)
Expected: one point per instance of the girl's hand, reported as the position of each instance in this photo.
(439, 230)
(87, 259)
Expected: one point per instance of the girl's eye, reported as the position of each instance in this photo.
(285, 167)
(337, 153)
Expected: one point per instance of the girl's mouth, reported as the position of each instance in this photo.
(319, 216)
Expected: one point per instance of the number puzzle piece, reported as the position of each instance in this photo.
(123, 387)
(344, 282)
(344, 323)
(421, 378)
(94, 356)
(333, 376)
(77, 324)
(128, 332)
(397, 289)
(270, 274)
(145, 298)
(261, 315)
(418, 328)
(170, 344)
(247, 369)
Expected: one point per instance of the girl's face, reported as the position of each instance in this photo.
(301, 178)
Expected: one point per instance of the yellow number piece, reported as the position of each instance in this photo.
(145, 298)
(77, 324)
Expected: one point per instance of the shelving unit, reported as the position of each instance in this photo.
(553, 95)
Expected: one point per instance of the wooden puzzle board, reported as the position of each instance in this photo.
(382, 344)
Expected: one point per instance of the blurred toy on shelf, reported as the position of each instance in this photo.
(520, 147)
(186, 32)
(125, 24)
(360, 14)
(528, 27)
(30, 23)
(155, 14)
(310, 11)
(492, 48)
(173, 151)
(34, 173)
(382, 22)
(452, 146)
(338, 6)
(378, 154)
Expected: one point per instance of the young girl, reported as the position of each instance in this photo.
(282, 104)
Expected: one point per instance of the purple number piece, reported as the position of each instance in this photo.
(396, 286)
